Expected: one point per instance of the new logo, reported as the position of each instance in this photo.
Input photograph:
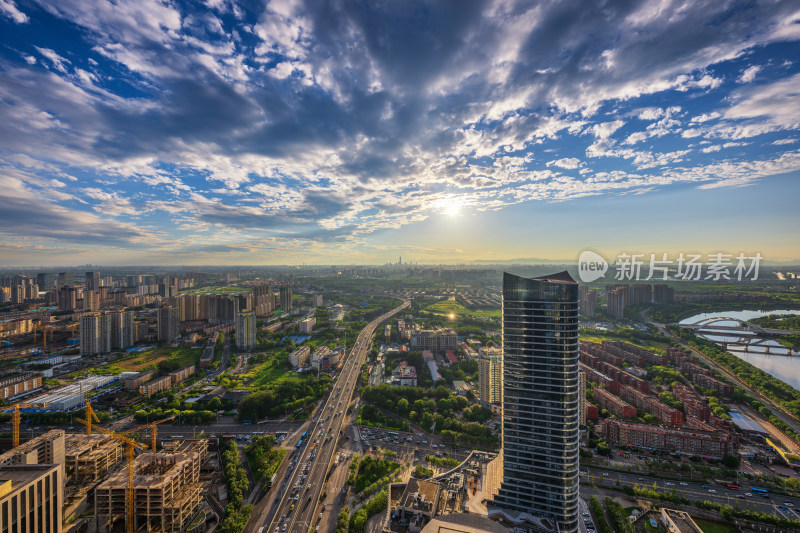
(591, 266)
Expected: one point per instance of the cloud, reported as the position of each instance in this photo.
(749, 74)
(10, 10)
(305, 120)
(568, 163)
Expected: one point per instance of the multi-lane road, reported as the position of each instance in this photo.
(295, 508)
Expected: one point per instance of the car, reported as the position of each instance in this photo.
(670, 484)
(788, 504)
(605, 474)
(683, 484)
(712, 491)
(748, 493)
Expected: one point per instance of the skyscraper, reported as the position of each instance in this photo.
(95, 333)
(92, 281)
(286, 298)
(540, 402)
(490, 375)
(168, 323)
(246, 330)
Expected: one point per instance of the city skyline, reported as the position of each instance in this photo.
(299, 132)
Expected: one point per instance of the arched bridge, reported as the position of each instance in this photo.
(742, 332)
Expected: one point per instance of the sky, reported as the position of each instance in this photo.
(356, 132)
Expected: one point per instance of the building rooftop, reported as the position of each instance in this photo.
(463, 523)
(420, 495)
(20, 475)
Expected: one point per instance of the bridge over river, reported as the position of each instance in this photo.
(727, 330)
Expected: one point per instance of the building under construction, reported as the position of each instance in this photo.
(166, 490)
(90, 457)
(47, 448)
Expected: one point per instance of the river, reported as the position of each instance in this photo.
(784, 367)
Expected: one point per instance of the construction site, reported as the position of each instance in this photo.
(105, 486)
(166, 491)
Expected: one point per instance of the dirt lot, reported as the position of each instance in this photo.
(138, 364)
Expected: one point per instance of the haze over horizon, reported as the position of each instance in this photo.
(168, 133)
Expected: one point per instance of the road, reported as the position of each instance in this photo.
(301, 487)
(694, 490)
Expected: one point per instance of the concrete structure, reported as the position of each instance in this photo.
(690, 441)
(95, 334)
(587, 301)
(246, 330)
(300, 356)
(438, 339)
(89, 457)
(47, 448)
(540, 402)
(19, 385)
(679, 521)
(616, 300)
(307, 325)
(614, 405)
(32, 498)
(404, 375)
(155, 386)
(663, 294)
(168, 323)
(139, 379)
(316, 300)
(463, 523)
(92, 281)
(286, 298)
(167, 491)
(490, 375)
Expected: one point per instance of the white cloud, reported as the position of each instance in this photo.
(749, 74)
(567, 162)
(10, 10)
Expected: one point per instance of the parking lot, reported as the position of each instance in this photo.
(408, 445)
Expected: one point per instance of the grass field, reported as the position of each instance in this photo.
(445, 307)
(709, 526)
(269, 373)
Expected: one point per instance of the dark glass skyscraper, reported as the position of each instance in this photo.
(540, 401)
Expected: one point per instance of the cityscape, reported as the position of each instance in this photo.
(399, 267)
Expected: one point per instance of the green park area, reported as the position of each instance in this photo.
(447, 307)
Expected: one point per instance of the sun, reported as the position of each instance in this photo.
(450, 206)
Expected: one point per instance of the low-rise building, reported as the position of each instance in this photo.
(155, 386)
(19, 385)
(690, 441)
(299, 357)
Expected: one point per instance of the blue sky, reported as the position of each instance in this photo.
(156, 132)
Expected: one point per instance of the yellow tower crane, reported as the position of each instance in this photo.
(90, 416)
(15, 421)
(130, 450)
(153, 431)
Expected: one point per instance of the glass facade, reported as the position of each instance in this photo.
(540, 398)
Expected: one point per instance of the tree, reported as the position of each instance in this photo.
(402, 407)
(731, 461)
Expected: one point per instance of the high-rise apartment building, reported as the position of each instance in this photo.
(92, 281)
(616, 300)
(246, 330)
(286, 298)
(588, 300)
(168, 323)
(95, 334)
(67, 298)
(490, 375)
(540, 402)
(123, 332)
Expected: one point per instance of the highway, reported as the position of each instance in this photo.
(744, 497)
(298, 491)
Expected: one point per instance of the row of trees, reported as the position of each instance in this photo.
(236, 516)
(264, 456)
